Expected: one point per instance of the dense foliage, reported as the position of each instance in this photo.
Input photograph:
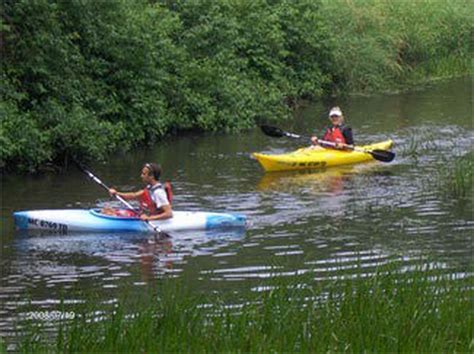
(85, 78)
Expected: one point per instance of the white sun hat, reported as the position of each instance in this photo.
(335, 111)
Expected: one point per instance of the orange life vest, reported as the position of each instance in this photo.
(334, 134)
(146, 202)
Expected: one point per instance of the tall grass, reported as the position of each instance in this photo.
(390, 311)
(418, 143)
(380, 44)
(458, 181)
(3, 348)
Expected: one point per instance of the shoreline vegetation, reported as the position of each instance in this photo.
(458, 180)
(416, 310)
(86, 79)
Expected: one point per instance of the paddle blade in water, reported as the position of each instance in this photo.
(382, 155)
(272, 131)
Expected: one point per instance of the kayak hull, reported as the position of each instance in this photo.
(91, 220)
(318, 158)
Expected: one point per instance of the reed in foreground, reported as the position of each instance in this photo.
(459, 182)
(390, 311)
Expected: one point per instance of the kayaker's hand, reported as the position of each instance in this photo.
(112, 192)
(314, 140)
(144, 217)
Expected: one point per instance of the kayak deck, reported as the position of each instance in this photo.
(318, 158)
(91, 220)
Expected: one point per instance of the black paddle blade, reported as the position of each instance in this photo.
(162, 234)
(272, 131)
(382, 155)
(275, 132)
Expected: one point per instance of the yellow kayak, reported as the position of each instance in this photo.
(318, 157)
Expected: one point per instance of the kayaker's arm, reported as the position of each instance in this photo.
(166, 214)
(347, 132)
(128, 195)
(315, 142)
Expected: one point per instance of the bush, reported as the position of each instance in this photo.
(85, 78)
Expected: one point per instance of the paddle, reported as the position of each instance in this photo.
(152, 227)
(377, 154)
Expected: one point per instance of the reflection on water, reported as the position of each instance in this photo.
(156, 254)
(53, 264)
(333, 222)
(329, 181)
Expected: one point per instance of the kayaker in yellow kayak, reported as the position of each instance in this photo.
(154, 199)
(338, 132)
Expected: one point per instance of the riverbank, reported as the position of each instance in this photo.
(390, 45)
(420, 310)
(84, 80)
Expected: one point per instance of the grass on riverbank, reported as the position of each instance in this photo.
(459, 181)
(390, 311)
(385, 45)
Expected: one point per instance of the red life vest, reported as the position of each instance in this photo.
(334, 134)
(147, 204)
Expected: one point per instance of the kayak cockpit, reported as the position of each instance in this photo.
(121, 214)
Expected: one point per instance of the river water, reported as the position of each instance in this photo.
(334, 222)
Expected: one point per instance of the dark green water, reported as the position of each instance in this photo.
(334, 222)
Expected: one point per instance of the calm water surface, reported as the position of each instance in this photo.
(334, 222)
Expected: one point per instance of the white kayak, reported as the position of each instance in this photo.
(91, 220)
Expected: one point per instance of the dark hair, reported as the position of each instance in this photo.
(155, 170)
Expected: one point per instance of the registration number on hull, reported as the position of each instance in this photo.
(314, 164)
(48, 225)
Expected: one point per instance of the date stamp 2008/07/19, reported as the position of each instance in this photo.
(50, 315)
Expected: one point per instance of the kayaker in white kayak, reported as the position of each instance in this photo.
(154, 200)
(338, 132)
